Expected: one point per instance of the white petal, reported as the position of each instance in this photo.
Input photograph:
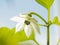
(22, 16)
(35, 26)
(34, 20)
(17, 19)
(28, 30)
(19, 27)
(28, 42)
(26, 17)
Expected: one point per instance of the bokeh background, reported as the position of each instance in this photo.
(11, 8)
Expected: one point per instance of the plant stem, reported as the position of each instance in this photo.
(48, 36)
(38, 16)
(42, 25)
(48, 31)
(36, 42)
(48, 15)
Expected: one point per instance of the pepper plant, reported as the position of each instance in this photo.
(47, 4)
(27, 25)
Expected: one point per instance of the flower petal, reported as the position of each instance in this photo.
(17, 19)
(22, 16)
(34, 20)
(28, 42)
(28, 30)
(26, 17)
(19, 27)
(35, 26)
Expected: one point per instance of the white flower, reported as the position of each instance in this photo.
(26, 23)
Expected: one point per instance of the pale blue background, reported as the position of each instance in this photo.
(11, 8)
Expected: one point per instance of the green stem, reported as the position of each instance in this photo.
(48, 15)
(42, 25)
(36, 42)
(48, 36)
(48, 31)
(38, 16)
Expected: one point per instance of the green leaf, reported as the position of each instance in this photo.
(10, 37)
(7, 37)
(56, 21)
(21, 36)
(46, 3)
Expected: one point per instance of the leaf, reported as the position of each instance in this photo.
(21, 36)
(46, 3)
(7, 37)
(56, 21)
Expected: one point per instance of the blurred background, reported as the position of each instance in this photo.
(11, 8)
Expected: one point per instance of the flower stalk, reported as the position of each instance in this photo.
(38, 16)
